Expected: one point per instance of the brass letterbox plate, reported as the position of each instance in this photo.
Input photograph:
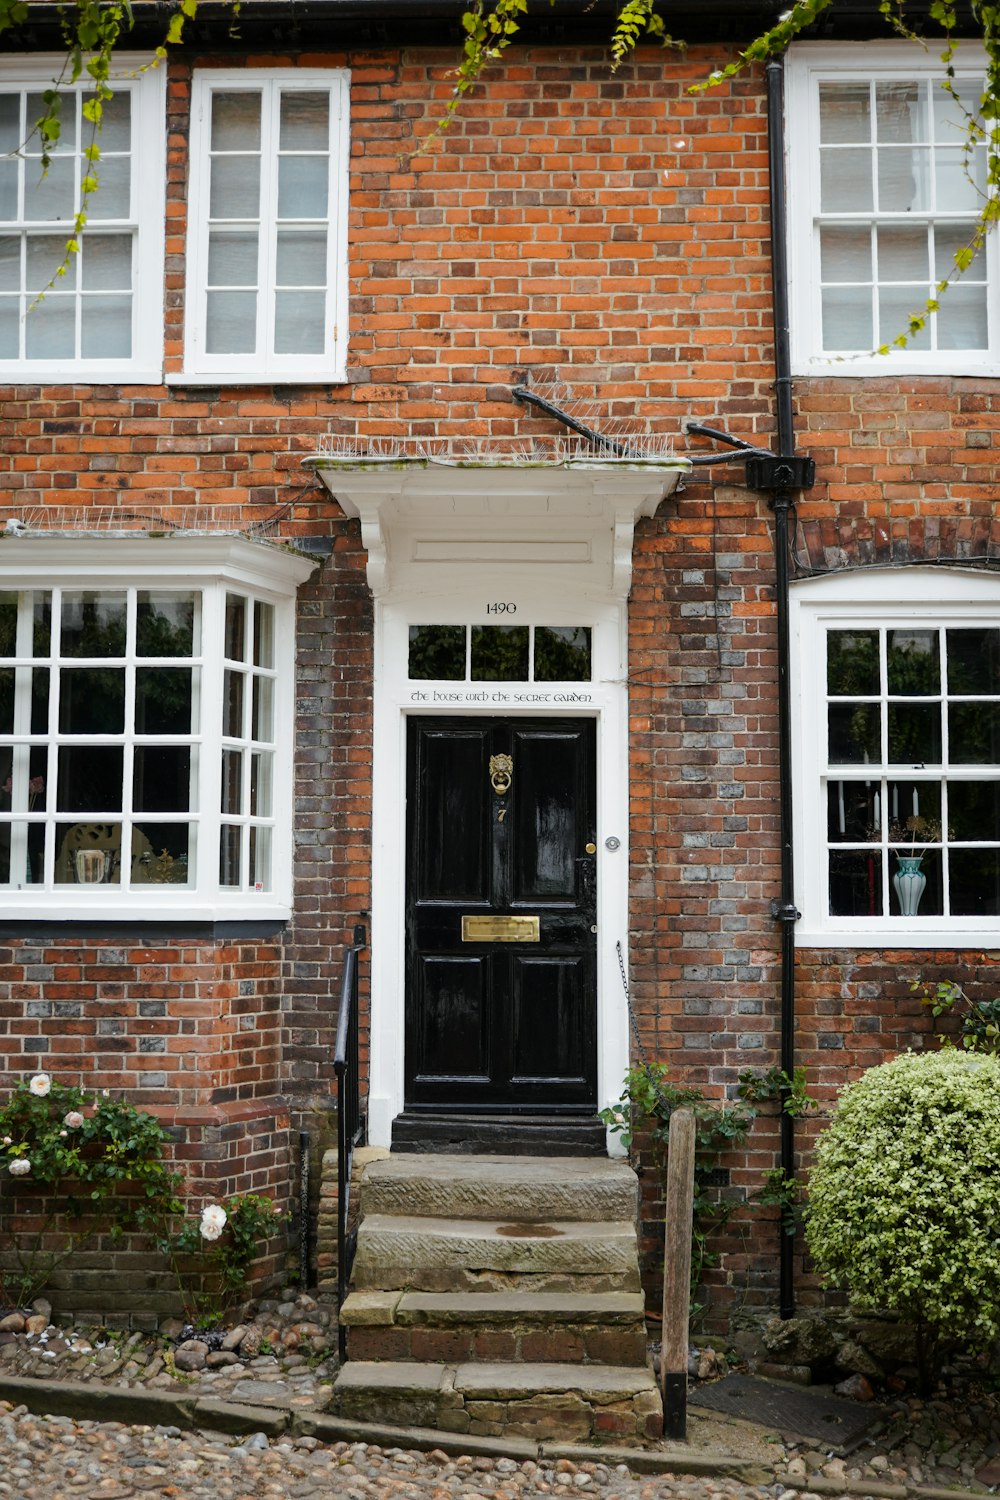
(500, 929)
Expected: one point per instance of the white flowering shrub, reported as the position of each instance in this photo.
(904, 1197)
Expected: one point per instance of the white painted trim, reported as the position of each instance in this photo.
(806, 63)
(147, 82)
(858, 598)
(329, 366)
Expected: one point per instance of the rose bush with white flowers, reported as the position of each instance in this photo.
(226, 1240)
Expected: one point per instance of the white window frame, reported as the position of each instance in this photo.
(147, 83)
(201, 367)
(807, 64)
(215, 566)
(864, 599)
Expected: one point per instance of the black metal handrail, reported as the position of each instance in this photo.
(350, 1126)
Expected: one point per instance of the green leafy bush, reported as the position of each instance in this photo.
(224, 1241)
(904, 1197)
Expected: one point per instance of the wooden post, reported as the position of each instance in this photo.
(677, 1273)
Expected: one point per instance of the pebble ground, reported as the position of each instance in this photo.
(55, 1458)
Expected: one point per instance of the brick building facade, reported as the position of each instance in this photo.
(606, 231)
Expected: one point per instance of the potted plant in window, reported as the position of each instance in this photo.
(909, 880)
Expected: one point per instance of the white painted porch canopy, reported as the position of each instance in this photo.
(428, 516)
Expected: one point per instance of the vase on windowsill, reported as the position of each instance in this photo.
(909, 882)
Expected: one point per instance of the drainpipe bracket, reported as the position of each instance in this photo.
(785, 911)
(780, 472)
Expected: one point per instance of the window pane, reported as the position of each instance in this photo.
(40, 700)
(974, 810)
(959, 180)
(263, 635)
(7, 676)
(93, 623)
(89, 854)
(914, 733)
(853, 812)
(949, 238)
(163, 700)
(232, 714)
(10, 263)
(914, 809)
(844, 112)
(437, 652)
(856, 883)
(845, 181)
(41, 623)
(901, 113)
(234, 187)
(165, 623)
(8, 190)
(973, 658)
(8, 622)
(847, 318)
(974, 734)
(161, 778)
(263, 709)
(305, 121)
(260, 858)
(106, 327)
(36, 109)
(852, 667)
(974, 886)
(499, 653)
(236, 120)
(961, 318)
(303, 187)
(10, 328)
(301, 257)
(854, 735)
(949, 112)
(116, 122)
(231, 325)
(50, 329)
(915, 887)
(903, 254)
(299, 322)
(10, 122)
(92, 700)
(236, 627)
(232, 782)
(160, 854)
(913, 662)
(845, 254)
(232, 258)
(904, 179)
(106, 261)
(50, 198)
(261, 770)
(113, 197)
(229, 854)
(90, 778)
(895, 307)
(562, 653)
(44, 253)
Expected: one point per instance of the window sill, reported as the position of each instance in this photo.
(246, 377)
(19, 373)
(889, 366)
(69, 909)
(947, 935)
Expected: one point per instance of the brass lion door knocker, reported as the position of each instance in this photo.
(501, 776)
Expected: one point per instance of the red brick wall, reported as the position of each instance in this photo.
(609, 231)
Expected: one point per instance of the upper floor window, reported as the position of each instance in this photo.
(882, 193)
(899, 758)
(101, 319)
(267, 250)
(142, 767)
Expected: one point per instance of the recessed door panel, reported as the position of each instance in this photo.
(500, 915)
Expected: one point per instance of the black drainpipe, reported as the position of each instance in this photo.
(785, 478)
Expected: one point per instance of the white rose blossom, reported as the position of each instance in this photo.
(20, 1166)
(213, 1221)
(6, 1141)
(74, 1119)
(40, 1085)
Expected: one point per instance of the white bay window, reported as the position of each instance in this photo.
(145, 705)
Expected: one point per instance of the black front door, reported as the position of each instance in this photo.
(501, 1006)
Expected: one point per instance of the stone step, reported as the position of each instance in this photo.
(491, 1326)
(396, 1251)
(528, 1135)
(569, 1402)
(501, 1187)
